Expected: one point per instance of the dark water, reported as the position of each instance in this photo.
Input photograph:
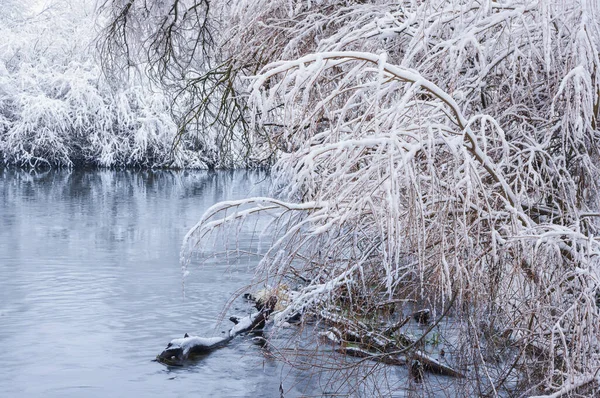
(91, 286)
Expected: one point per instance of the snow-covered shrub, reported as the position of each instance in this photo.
(58, 109)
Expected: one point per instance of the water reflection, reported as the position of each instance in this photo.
(91, 290)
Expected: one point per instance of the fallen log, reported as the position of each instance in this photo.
(426, 362)
(435, 366)
(357, 339)
(375, 356)
(357, 332)
(178, 351)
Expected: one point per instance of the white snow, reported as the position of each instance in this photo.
(186, 343)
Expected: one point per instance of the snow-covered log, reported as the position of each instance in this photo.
(178, 351)
(356, 339)
(433, 365)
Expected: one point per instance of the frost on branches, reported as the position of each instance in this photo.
(438, 151)
(57, 108)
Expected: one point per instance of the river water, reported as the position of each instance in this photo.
(91, 286)
(91, 290)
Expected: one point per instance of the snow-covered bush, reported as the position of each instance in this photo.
(58, 109)
(439, 151)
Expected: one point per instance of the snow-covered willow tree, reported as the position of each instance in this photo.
(439, 151)
(58, 109)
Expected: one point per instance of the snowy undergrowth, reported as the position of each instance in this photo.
(57, 108)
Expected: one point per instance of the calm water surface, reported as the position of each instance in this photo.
(91, 286)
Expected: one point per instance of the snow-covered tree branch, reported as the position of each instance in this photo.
(58, 108)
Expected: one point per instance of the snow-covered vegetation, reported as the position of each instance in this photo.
(439, 151)
(58, 109)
